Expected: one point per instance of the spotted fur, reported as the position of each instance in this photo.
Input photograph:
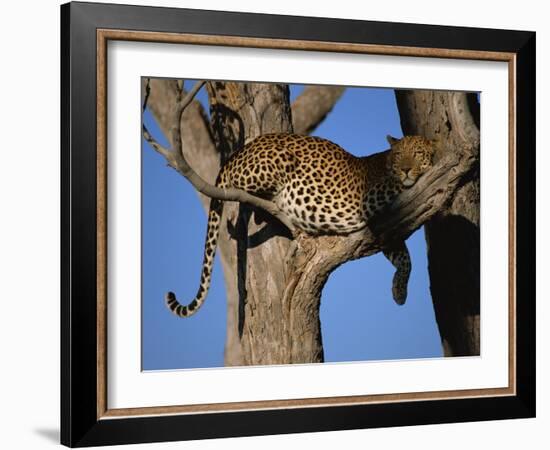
(322, 189)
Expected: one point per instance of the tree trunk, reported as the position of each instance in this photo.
(452, 235)
(239, 113)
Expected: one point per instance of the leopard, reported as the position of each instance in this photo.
(322, 189)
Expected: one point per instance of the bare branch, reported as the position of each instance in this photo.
(196, 134)
(312, 106)
(147, 92)
(176, 160)
(153, 143)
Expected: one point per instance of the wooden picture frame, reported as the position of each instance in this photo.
(86, 418)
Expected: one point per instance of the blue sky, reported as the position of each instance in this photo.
(359, 318)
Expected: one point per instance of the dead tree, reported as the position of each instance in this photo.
(273, 278)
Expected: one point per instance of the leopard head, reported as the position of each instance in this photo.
(410, 157)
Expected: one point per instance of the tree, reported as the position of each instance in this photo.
(274, 278)
(452, 234)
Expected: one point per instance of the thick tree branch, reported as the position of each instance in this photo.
(431, 192)
(312, 106)
(177, 160)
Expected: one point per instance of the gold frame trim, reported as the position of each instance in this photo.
(104, 35)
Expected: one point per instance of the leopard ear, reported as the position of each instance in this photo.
(391, 140)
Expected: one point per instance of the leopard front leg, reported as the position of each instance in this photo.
(400, 258)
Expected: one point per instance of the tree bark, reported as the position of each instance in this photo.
(452, 235)
(312, 107)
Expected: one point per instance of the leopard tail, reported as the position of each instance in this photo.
(214, 220)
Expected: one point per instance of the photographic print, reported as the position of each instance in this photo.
(276, 224)
(333, 252)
